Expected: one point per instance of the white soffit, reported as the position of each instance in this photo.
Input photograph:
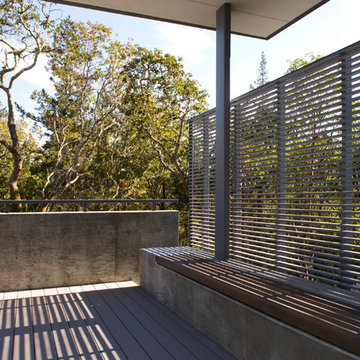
(256, 18)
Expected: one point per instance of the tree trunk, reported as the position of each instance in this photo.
(45, 208)
(15, 195)
(162, 205)
(15, 151)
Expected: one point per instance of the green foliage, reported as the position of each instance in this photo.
(82, 110)
(160, 99)
(300, 62)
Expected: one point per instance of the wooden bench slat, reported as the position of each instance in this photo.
(323, 317)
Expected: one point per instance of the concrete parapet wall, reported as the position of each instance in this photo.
(245, 332)
(57, 249)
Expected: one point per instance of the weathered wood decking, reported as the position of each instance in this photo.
(105, 321)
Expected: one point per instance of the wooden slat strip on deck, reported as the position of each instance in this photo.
(86, 344)
(109, 347)
(65, 343)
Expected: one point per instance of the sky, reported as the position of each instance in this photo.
(324, 31)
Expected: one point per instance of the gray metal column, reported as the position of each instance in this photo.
(223, 31)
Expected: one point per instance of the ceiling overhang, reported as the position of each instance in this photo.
(256, 18)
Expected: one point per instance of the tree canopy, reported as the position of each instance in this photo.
(113, 102)
(300, 62)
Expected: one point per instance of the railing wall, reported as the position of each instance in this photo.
(295, 173)
(52, 249)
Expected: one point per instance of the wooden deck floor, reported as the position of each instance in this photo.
(104, 321)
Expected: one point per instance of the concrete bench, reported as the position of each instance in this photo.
(311, 311)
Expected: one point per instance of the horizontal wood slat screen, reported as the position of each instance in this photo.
(295, 173)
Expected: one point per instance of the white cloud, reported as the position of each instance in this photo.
(188, 42)
(39, 77)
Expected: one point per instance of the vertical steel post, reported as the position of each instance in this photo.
(223, 31)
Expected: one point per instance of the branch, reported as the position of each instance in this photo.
(3, 154)
(16, 55)
(27, 68)
(159, 143)
(178, 170)
(8, 45)
(179, 135)
(6, 144)
(88, 155)
(73, 181)
(50, 175)
(166, 166)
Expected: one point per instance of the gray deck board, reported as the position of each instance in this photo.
(43, 337)
(65, 343)
(23, 334)
(129, 343)
(148, 343)
(199, 344)
(86, 343)
(7, 323)
(159, 331)
(113, 321)
(107, 344)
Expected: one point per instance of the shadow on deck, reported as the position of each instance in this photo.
(104, 321)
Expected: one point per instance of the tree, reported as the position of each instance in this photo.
(86, 104)
(117, 122)
(262, 78)
(24, 27)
